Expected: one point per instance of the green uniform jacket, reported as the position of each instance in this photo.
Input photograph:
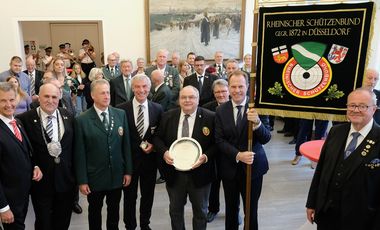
(102, 158)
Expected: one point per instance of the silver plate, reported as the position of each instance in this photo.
(185, 152)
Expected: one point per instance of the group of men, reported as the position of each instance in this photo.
(116, 148)
(109, 150)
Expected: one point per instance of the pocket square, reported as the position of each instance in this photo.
(375, 161)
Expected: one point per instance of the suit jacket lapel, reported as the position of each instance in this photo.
(97, 122)
(197, 124)
(11, 134)
(363, 148)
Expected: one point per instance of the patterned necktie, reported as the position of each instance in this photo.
(104, 120)
(16, 130)
(185, 126)
(112, 72)
(219, 69)
(140, 121)
(200, 84)
(239, 116)
(352, 145)
(49, 127)
(32, 84)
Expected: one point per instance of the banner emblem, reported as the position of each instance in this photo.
(280, 54)
(337, 53)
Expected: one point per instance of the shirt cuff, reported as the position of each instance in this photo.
(6, 208)
(254, 127)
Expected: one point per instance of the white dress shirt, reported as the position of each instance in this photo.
(136, 107)
(190, 119)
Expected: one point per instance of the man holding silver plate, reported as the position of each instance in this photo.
(51, 132)
(186, 148)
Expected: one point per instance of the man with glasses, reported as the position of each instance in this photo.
(221, 94)
(187, 121)
(344, 193)
(201, 80)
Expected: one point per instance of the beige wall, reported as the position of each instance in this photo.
(123, 25)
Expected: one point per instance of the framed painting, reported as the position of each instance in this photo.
(199, 26)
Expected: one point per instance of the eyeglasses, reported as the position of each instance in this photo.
(361, 108)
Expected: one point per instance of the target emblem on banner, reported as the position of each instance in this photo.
(309, 83)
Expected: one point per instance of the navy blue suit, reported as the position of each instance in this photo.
(230, 141)
(15, 174)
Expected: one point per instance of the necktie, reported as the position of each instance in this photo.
(140, 121)
(105, 121)
(112, 72)
(200, 85)
(32, 84)
(49, 127)
(127, 89)
(16, 130)
(185, 126)
(219, 69)
(352, 145)
(239, 116)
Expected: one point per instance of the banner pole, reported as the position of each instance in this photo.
(251, 105)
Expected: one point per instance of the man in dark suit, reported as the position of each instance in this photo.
(111, 70)
(142, 126)
(344, 192)
(231, 136)
(161, 93)
(35, 78)
(219, 65)
(371, 78)
(221, 94)
(201, 80)
(103, 161)
(16, 169)
(198, 123)
(170, 73)
(51, 135)
(121, 90)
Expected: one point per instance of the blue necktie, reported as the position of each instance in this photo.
(352, 145)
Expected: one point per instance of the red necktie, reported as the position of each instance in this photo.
(16, 130)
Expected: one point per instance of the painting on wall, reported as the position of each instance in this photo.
(199, 26)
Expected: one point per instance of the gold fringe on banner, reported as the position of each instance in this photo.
(301, 114)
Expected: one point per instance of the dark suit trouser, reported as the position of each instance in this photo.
(198, 197)
(19, 213)
(213, 201)
(53, 211)
(329, 220)
(306, 129)
(232, 189)
(95, 204)
(147, 177)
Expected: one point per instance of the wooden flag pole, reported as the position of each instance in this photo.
(251, 105)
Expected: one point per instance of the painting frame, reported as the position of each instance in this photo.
(233, 35)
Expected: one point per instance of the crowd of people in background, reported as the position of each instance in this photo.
(103, 130)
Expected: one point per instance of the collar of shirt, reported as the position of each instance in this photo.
(242, 103)
(6, 120)
(203, 74)
(125, 77)
(191, 121)
(99, 112)
(162, 70)
(136, 104)
(44, 115)
(33, 72)
(363, 133)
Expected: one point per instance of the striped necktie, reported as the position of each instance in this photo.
(140, 121)
(16, 130)
(49, 127)
(32, 84)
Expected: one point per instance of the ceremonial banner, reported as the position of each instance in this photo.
(310, 58)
